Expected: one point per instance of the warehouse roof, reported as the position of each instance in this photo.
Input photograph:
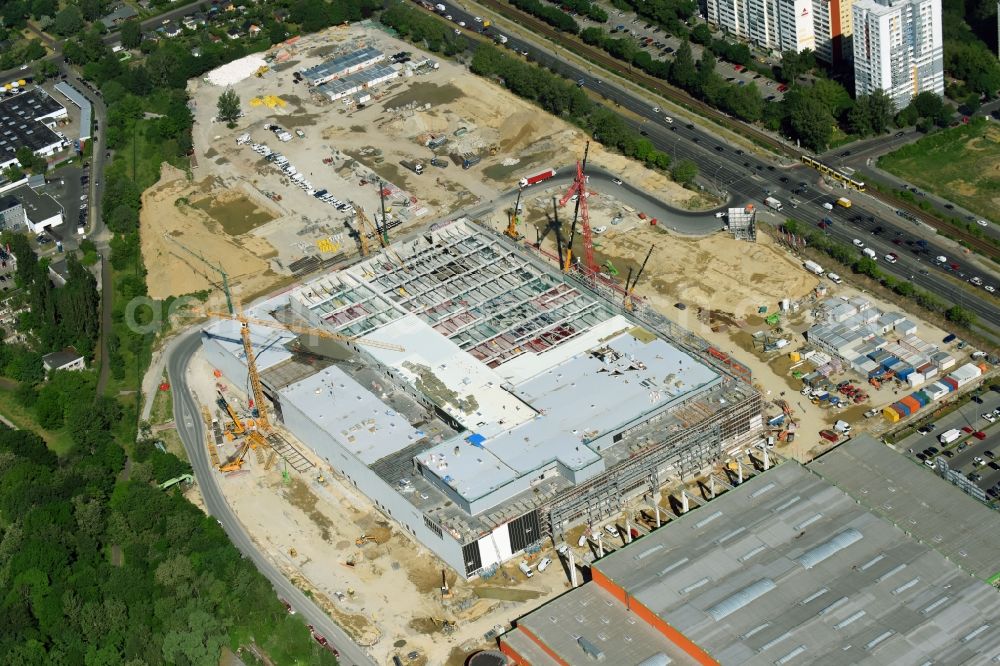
(338, 64)
(75, 96)
(787, 567)
(19, 124)
(593, 614)
(915, 498)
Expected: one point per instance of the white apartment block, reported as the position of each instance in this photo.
(783, 25)
(897, 48)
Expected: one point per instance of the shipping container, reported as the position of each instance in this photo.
(890, 362)
(950, 383)
(922, 398)
(903, 410)
(915, 379)
(910, 402)
(904, 370)
(891, 415)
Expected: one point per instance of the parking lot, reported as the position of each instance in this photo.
(662, 47)
(976, 457)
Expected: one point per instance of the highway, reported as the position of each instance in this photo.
(745, 178)
(187, 416)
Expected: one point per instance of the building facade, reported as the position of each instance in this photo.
(897, 48)
(783, 25)
(832, 25)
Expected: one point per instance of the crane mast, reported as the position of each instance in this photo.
(581, 211)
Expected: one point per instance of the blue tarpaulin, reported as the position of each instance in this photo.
(476, 440)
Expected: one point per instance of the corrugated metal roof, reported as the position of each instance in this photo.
(743, 598)
(815, 555)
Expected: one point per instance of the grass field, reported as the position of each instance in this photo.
(961, 164)
(58, 440)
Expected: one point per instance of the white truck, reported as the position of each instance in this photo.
(771, 202)
(441, 8)
(813, 267)
(870, 253)
(949, 436)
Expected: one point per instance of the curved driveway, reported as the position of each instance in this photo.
(187, 416)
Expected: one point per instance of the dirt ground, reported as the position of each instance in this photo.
(173, 227)
(385, 593)
(242, 213)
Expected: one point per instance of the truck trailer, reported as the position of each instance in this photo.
(470, 160)
(771, 202)
(537, 178)
(813, 267)
(415, 167)
(949, 436)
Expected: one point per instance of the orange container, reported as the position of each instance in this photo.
(912, 403)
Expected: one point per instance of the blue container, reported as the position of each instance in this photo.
(901, 409)
(922, 398)
(904, 371)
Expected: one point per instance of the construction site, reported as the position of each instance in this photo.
(436, 386)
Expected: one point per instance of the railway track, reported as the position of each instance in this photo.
(685, 100)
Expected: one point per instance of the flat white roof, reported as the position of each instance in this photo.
(463, 386)
(352, 414)
(600, 390)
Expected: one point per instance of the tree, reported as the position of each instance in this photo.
(791, 66)
(809, 120)
(683, 72)
(68, 22)
(229, 107)
(880, 110)
(831, 95)
(685, 172)
(131, 34)
(701, 34)
(960, 316)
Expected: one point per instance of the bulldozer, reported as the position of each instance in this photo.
(494, 149)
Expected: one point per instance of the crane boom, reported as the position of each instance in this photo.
(308, 330)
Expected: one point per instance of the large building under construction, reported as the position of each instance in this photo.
(500, 402)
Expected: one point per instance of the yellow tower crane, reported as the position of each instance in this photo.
(256, 438)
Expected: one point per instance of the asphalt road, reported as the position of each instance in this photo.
(187, 416)
(745, 178)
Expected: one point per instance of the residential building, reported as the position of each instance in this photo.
(66, 359)
(782, 25)
(897, 48)
(121, 13)
(832, 25)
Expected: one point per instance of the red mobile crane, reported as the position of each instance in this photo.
(579, 188)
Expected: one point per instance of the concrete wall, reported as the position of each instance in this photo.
(359, 475)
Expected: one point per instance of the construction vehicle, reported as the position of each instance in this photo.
(512, 222)
(630, 287)
(579, 189)
(494, 149)
(545, 174)
(238, 428)
(258, 437)
(364, 539)
(261, 71)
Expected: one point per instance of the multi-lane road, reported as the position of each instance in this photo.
(188, 419)
(744, 177)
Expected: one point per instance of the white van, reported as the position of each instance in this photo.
(834, 278)
(525, 569)
(544, 564)
(828, 206)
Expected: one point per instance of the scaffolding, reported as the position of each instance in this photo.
(742, 223)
